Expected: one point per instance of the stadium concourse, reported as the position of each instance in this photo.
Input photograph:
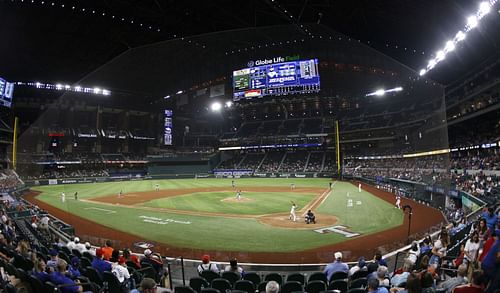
(118, 93)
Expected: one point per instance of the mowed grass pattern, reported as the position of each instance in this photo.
(258, 202)
(220, 233)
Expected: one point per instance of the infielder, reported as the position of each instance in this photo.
(292, 186)
(63, 197)
(157, 187)
(293, 216)
(120, 194)
(359, 187)
(238, 195)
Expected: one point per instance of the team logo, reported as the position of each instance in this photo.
(250, 63)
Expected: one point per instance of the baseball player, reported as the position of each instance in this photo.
(398, 202)
(157, 186)
(120, 194)
(63, 197)
(292, 186)
(76, 195)
(359, 187)
(238, 195)
(293, 216)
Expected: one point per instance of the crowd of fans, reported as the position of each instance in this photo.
(8, 180)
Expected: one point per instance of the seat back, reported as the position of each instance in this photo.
(93, 275)
(296, 277)
(252, 277)
(318, 276)
(209, 275)
(291, 286)
(262, 286)
(49, 287)
(35, 284)
(340, 285)
(198, 283)
(245, 285)
(111, 282)
(356, 290)
(184, 289)
(76, 253)
(274, 277)
(359, 283)
(210, 290)
(315, 286)
(338, 276)
(232, 277)
(359, 274)
(221, 284)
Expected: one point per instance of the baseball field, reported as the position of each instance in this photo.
(193, 216)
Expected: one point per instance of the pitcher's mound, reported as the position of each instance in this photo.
(233, 199)
(283, 221)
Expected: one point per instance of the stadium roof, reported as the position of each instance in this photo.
(65, 40)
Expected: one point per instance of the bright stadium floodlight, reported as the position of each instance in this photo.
(422, 72)
(67, 87)
(380, 92)
(472, 21)
(78, 88)
(460, 36)
(106, 92)
(440, 55)
(179, 92)
(484, 8)
(229, 104)
(216, 106)
(97, 90)
(59, 87)
(450, 46)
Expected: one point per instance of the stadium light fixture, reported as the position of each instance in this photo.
(422, 72)
(166, 97)
(381, 92)
(179, 92)
(460, 36)
(484, 8)
(216, 106)
(450, 46)
(472, 21)
(440, 55)
(59, 87)
(229, 104)
(97, 90)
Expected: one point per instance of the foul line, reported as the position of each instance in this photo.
(315, 203)
(99, 209)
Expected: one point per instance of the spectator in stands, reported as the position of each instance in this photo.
(427, 281)
(78, 245)
(336, 266)
(491, 218)
(74, 268)
(272, 287)
(114, 256)
(439, 248)
(53, 261)
(482, 230)
(379, 260)
(412, 285)
(131, 257)
(471, 249)
(426, 245)
(206, 265)
(401, 278)
(120, 271)
(491, 261)
(107, 250)
(374, 287)
(360, 266)
(72, 243)
(44, 224)
(89, 249)
(382, 276)
(99, 264)
(413, 253)
(39, 270)
(233, 267)
(147, 285)
(460, 279)
(23, 249)
(475, 286)
(59, 278)
(154, 260)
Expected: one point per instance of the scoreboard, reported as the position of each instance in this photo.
(6, 93)
(276, 79)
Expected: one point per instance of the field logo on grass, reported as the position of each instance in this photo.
(337, 229)
(160, 221)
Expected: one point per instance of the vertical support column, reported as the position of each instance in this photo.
(14, 144)
(337, 136)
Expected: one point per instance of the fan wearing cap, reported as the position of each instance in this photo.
(99, 264)
(336, 266)
(54, 259)
(74, 268)
(89, 248)
(154, 259)
(72, 244)
(147, 285)
(360, 266)
(59, 278)
(120, 270)
(79, 246)
(206, 265)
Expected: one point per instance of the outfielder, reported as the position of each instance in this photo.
(398, 202)
(63, 197)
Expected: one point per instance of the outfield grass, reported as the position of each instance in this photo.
(258, 202)
(219, 233)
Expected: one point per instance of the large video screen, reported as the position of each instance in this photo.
(6, 93)
(276, 79)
